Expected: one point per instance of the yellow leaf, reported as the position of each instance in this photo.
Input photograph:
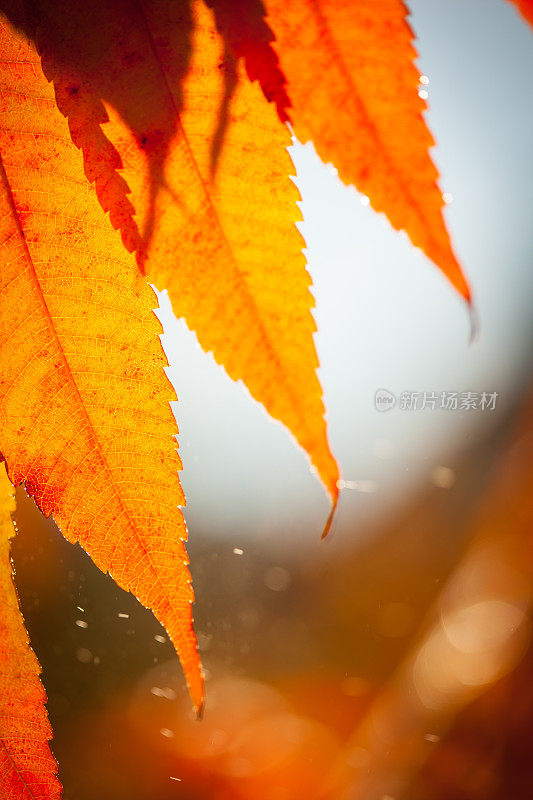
(84, 414)
(353, 87)
(205, 166)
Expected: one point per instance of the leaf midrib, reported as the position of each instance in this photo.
(264, 334)
(16, 769)
(350, 81)
(46, 310)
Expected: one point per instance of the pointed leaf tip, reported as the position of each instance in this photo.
(200, 708)
(526, 9)
(329, 526)
(354, 92)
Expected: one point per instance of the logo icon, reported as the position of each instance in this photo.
(384, 400)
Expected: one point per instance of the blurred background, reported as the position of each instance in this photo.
(393, 659)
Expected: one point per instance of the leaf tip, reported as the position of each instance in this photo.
(331, 518)
(199, 710)
(197, 693)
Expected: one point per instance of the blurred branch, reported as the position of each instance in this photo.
(480, 631)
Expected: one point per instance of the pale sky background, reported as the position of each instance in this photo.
(386, 317)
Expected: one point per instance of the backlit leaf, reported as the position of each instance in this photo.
(85, 419)
(526, 8)
(200, 156)
(242, 24)
(353, 88)
(27, 767)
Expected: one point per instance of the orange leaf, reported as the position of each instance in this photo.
(84, 411)
(526, 8)
(353, 90)
(27, 767)
(242, 24)
(204, 161)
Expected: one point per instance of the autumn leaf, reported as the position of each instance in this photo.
(243, 26)
(526, 8)
(153, 112)
(27, 767)
(191, 163)
(353, 89)
(84, 400)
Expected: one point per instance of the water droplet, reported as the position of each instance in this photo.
(424, 80)
(238, 551)
(84, 655)
(122, 615)
(447, 198)
(367, 487)
(167, 733)
(443, 477)
(204, 641)
(277, 578)
(342, 484)
(81, 623)
(159, 638)
(167, 693)
(364, 200)
(423, 94)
